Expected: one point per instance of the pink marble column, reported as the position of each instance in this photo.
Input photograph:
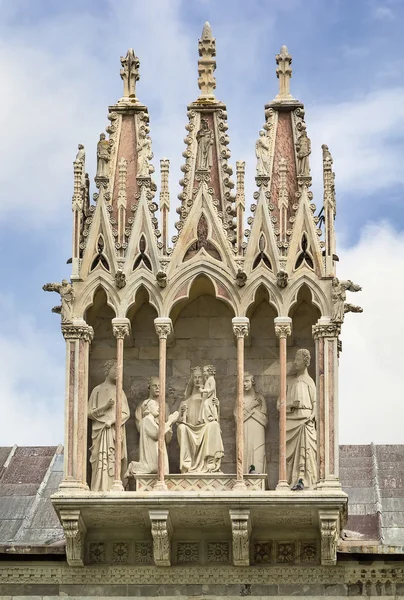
(282, 330)
(163, 327)
(241, 326)
(325, 334)
(78, 336)
(120, 328)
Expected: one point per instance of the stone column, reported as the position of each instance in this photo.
(120, 328)
(241, 326)
(282, 330)
(78, 336)
(326, 334)
(163, 327)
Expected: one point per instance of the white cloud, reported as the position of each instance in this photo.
(31, 382)
(371, 364)
(383, 13)
(365, 137)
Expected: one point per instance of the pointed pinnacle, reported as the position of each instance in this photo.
(207, 32)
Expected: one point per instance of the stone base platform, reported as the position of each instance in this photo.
(165, 526)
(215, 482)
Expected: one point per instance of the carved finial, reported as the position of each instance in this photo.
(207, 64)
(284, 73)
(129, 73)
(164, 189)
(240, 172)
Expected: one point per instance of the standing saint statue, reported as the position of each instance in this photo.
(103, 156)
(67, 296)
(101, 411)
(144, 154)
(301, 435)
(262, 155)
(148, 443)
(81, 158)
(204, 137)
(255, 418)
(198, 431)
(303, 149)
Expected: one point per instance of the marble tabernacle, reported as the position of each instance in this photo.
(202, 373)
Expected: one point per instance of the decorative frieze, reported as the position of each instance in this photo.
(188, 552)
(120, 552)
(144, 552)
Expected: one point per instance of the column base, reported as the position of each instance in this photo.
(282, 486)
(160, 486)
(117, 486)
(329, 484)
(73, 484)
(240, 486)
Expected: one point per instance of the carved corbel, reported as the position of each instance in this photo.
(161, 529)
(75, 533)
(329, 532)
(241, 532)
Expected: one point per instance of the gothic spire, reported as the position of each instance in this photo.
(207, 65)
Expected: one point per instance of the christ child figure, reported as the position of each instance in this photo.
(210, 403)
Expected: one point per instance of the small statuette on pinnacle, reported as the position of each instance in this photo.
(284, 73)
(207, 65)
(129, 73)
(103, 156)
(67, 296)
(262, 155)
(303, 150)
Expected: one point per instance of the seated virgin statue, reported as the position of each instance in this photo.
(148, 443)
(198, 430)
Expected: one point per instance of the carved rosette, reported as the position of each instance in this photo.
(283, 330)
(329, 531)
(161, 532)
(330, 330)
(241, 530)
(77, 332)
(75, 532)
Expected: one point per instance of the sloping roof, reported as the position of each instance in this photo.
(28, 477)
(372, 476)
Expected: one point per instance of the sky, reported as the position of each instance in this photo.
(59, 71)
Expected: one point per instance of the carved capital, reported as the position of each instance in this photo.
(121, 328)
(329, 531)
(75, 533)
(241, 531)
(321, 330)
(77, 332)
(241, 326)
(163, 327)
(161, 530)
(283, 331)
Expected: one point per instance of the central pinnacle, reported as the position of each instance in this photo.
(284, 73)
(207, 64)
(129, 73)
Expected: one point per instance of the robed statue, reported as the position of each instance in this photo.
(262, 155)
(204, 137)
(198, 431)
(255, 420)
(101, 411)
(301, 434)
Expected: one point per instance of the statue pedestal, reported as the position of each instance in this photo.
(199, 482)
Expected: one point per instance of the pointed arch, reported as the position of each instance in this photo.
(317, 295)
(99, 280)
(138, 291)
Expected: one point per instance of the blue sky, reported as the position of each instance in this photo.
(59, 71)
